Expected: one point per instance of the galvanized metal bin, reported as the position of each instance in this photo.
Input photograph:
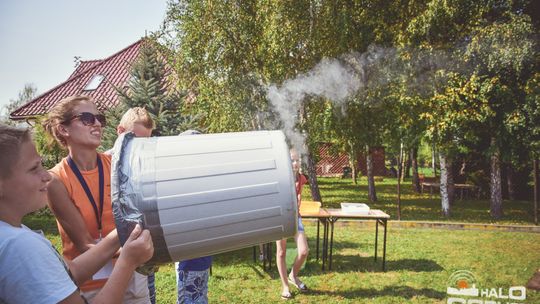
(205, 194)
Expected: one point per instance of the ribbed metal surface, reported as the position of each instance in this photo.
(218, 192)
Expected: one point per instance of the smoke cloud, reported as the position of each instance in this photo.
(330, 79)
(335, 80)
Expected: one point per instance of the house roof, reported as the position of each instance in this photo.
(115, 70)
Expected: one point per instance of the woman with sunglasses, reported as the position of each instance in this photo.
(79, 192)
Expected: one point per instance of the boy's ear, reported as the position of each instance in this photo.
(120, 130)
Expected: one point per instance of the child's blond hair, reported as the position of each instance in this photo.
(136, 115)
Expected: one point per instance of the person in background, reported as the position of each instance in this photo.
(79, 192)
(31, 271)
(136, 120)
(139, 121)
(300, 239)
(192, 275)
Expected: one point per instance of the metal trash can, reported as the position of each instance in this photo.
(347, 172)
(206, 194)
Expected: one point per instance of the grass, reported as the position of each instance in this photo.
(419, 261)
(419, 264)
(416, 206)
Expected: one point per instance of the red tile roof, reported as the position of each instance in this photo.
(115, 69)
(83, 66)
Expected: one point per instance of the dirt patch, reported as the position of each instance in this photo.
(534, 282)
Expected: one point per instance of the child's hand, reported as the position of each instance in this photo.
(138, 247)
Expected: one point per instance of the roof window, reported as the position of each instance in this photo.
(94, 83)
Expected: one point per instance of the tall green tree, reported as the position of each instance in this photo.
(231, 51)
(484, 80)
(113, 116)
(226, 53)
(152, 87)
(502, 53)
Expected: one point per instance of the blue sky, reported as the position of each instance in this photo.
(39, 39)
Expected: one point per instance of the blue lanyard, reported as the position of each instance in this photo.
(97, 212)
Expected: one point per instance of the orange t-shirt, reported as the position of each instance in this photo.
(83, 204)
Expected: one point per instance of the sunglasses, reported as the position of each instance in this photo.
(89, 119)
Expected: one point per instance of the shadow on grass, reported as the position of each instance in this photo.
(338, 245)
(258, 270)
(405, 292)
(340, 263)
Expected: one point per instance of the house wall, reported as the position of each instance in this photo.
(331, 163)
(379, 168)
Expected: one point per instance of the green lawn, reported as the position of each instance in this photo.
(415, 206)
(419, 261)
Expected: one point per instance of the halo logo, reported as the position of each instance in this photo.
(462, 283)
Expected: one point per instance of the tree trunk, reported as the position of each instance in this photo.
(352, 163)
(353, 171)
(414, 163)
(371, 181)
(404, 167)
(400, 162)
(445, 195)
(408, 164)
(535, 177)
(495, 182)
(510, 182)
(398, 175)
(434, 160)
(398, 199)
(310, 163)
(312, 174)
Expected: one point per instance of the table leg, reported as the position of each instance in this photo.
(332, 221)
(385, 222)
(269, 255)
(254, 254)
(264, 258)
(325, 243)
(376, 237)
(318, 228)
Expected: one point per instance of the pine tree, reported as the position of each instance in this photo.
(113, 116)
(150, 87)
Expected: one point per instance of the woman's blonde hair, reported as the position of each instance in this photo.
(62, 112)
(11, 139)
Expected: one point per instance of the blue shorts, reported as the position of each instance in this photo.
(300, 225)
(192, 286)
